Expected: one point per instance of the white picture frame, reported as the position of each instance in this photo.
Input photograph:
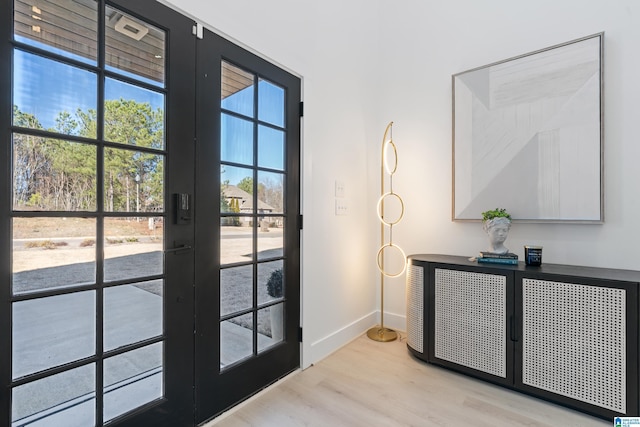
(528, 136)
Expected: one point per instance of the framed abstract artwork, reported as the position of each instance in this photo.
(528, 134)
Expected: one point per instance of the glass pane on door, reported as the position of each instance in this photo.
(237, 140)
(270, 148)
(132, 379)
(236, 241)
(270, 192)
(237, 90)
(53, 175)
(53, 252)
(236, 339)
(270, 281)
(64, 399)
(52, 331)
(137, 119)
(270, 103)
(52, 95)
(236, 289)
(134, 181)
(132, 313)
(134, 48)
(270, 326)
(133, 247)
(35, 23)
(271, 238)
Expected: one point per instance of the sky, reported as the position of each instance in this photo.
(45, 88)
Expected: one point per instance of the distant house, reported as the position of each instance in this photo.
(234, 195)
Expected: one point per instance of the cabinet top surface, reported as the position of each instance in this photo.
(545, 268)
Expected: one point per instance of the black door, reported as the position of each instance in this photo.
(96, 306)
(248, 225)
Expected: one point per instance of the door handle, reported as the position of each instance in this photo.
(513, 326)
(178, 249)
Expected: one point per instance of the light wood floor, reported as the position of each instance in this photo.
(369, 384)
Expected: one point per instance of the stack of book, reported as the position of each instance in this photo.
(493, 258)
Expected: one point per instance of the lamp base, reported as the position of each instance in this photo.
(382, 334)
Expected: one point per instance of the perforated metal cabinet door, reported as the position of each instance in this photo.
(579, 343)
(471, 312)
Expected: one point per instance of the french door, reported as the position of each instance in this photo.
(248, 228)
(96, 300)
(149, 231)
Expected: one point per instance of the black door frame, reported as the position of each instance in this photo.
(216, 391)
(6, 49)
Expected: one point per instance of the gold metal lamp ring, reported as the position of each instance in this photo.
(381, 214)
(380, 260)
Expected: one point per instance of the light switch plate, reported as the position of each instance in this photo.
(342, 208)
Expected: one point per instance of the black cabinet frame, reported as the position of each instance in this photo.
(625, 280)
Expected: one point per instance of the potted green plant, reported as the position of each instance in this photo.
(275, 290)
(274, 284)
(496, 213)
(497, 223)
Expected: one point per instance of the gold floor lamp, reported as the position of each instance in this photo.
(387, 169)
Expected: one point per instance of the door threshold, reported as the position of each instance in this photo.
(212, 422)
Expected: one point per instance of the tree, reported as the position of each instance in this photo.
(66, 124)
(29, 160)
(246, 184)
(224, 204)
(132, 124)
(235, 208)
(270, 191)
(71, 176)
(54, 174)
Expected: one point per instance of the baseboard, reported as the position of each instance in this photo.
(322, 348)
(394, 321)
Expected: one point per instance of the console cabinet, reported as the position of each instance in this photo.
(567, 334)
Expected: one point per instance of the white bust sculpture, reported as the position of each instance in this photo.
(497, 229)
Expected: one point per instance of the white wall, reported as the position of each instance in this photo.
(365, 63)
(438, 39)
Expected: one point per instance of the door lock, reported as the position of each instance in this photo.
(178, 249)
